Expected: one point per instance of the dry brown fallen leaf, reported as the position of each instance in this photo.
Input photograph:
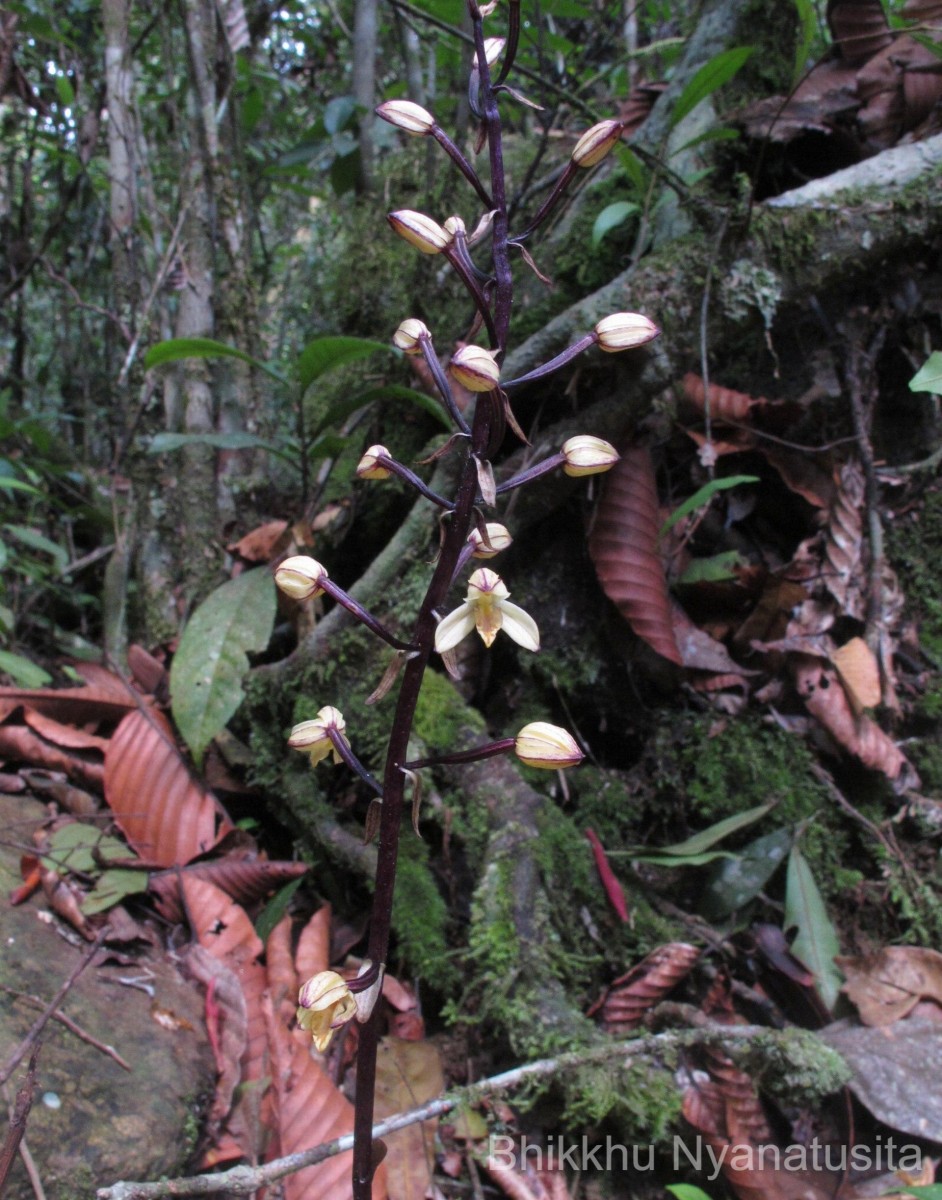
(887, 986)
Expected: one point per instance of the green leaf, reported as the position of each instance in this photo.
(379, 395)
(816, 943)
(276, 908)
(38, 541)
(935, 47)
(18, 485)
(707, 838)
(703, 495)
(174, 349)
(65, 91)
(208, 668)
(327, 353)
(929, 377)
(112, 887)
(715, 569)
(678, 860)
(687, 1191)
(931, 1191)
(164, 443)
(611, 217)
(733, 884)
(807, 28)
(82, 848)
(712, 75)
(23, 670)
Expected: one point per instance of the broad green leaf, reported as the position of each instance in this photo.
(111, 887)
(611, 217)
(733, 884)
(164, 443)
(703, 495)
(276, 908)
(715, 569)
(707, 838)
(65, 91)
(83, 848)
(23, 670)
(816, 943)
(174, 349)
(210, 663)
(929, 376)
(712, 75)
(931, 1191)
(327, 353)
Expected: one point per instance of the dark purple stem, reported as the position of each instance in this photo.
(361, 614)
(462, 164)
(554, 364)
(441, 382)
(543, 468)
(491, 750)
(410, 477)
(339, 743)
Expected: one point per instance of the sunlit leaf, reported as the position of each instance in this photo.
(175, 349)
(708, 838)
(929, 376)
(23, 670)
(210, 663)
(711, 76)
(687, 1191)
(611, 217)
(111, 887)
(328, 353)
(164, 443)
(703, 496)
(816, 944)
(715, 569)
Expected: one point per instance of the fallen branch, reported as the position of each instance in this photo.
(243, 1180)
(40, 1023)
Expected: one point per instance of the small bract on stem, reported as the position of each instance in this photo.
(328, 1000)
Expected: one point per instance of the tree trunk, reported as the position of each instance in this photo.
(364, 84)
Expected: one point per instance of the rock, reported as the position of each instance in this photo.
(93, 1122)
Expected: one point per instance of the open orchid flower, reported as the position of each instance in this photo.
(487, 609)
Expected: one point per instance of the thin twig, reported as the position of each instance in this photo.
(40, 1023)
(159, 278)
(71, 1025)
(243, 1180)
(18, 1116)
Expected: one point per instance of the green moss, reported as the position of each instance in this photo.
(794, 1065)
(442, 716)
(420, 918)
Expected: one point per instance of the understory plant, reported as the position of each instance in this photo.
(328, 1001)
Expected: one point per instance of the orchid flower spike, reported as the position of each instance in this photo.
(487, 609)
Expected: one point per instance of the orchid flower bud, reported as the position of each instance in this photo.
(540, 744)
(419, 230)
(326, 1003)
(368, 466)
(453, 226)
(407, 116)
(498, 535)
(596, 143)
(300, 577)
(475, 368)
(312, 736)
(410, 334)
(624, 331)
(586, 455)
